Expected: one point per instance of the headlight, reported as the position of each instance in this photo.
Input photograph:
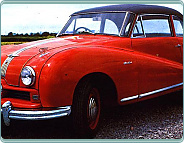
(28, 75)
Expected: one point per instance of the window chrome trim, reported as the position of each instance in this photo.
(142, 27)
(126, 15)
(147, 14)
(150, 93)
(85, 13)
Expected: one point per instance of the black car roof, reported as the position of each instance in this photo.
(135, 8)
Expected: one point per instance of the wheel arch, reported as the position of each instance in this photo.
(105, 85)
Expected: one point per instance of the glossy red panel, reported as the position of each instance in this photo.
(68, 60)
(21, 103)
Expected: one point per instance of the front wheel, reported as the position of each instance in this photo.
(86, 109)
(93, 108)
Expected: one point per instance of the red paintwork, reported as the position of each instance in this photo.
(156, 63)
(21, 103)
(158, 66)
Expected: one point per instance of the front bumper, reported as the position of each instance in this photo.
(8, 113)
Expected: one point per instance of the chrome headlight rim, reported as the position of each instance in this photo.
(32, 75)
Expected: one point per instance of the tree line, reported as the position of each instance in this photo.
(15, 37)
(44, 34)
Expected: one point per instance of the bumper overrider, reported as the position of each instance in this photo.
(9, 113)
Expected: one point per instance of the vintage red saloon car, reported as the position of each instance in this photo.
(110, 55)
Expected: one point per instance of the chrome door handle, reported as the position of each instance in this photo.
(178, 46)
(127, 63)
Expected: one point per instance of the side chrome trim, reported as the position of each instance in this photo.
(129, 98)
(159, 90)
(8, 113)
(150, 93)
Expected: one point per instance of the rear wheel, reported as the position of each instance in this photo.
(86, 109)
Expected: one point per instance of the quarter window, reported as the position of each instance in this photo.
(178, 25)
(138, 31)
(127, 25)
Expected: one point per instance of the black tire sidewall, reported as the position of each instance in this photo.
(79, 109)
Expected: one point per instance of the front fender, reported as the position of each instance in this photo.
(61, 73)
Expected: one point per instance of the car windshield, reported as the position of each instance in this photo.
(98, 23)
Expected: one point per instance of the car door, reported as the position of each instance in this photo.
(158, 57)
(178, 26)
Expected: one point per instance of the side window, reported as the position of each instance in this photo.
(156, 26)
(178, 25)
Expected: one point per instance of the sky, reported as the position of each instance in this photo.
(33, 18)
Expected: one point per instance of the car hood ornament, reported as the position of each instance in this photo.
(43, 50)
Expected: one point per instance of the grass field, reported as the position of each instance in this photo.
(14, 40)
(11, 43)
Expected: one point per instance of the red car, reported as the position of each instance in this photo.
(112, 55)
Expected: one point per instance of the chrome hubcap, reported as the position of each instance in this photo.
(93, 109)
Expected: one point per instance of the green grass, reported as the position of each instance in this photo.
(11, 43)
(5, 40)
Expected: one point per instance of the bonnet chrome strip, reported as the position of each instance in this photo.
(150, 93)
(10, 58)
